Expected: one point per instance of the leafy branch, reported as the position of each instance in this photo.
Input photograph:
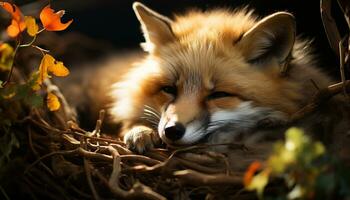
(50, 21)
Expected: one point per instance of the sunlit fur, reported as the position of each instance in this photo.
(202, 59)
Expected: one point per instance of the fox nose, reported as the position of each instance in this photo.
(175, 131)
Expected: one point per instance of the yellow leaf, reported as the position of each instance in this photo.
(32, 27)
(9, 96)
(295, 139)
(49, 64)
(319, 148)
(6, 56)
(259, 183)
(58, 69)
(8, 92)
(46, 61)
(36, 86)
(52, 102)
(298, 192)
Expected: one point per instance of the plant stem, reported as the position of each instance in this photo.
(43, 51)
(41, 30)
(4, 193)
(29, 44)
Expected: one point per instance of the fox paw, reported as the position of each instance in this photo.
(140, 139)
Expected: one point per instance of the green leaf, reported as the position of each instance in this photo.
(35, 100)
(33, 81)
(22, 91)
(325, 184)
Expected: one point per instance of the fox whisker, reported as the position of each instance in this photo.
(151, 119)
(150, 109)
(151, 115)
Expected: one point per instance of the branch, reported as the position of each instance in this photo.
(321, 97)
(329, 25)
(87, 167)
(138, 190)
(190, 177)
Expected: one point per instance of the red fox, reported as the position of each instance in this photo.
(213, 76)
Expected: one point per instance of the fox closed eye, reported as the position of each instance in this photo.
(219, 94)
(172, 90)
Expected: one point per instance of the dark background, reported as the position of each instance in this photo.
(113, 21)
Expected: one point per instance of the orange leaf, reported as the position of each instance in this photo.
(15, 28)
(252, 169)
(13, 10)
(17, 24)
(52, 102)
(52, 21)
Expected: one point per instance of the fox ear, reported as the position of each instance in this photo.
(271, 37)
(156, 27)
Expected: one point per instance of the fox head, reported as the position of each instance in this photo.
(210, 71)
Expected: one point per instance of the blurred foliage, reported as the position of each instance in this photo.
(307, 171)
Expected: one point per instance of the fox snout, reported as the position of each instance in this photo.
(174, 131)
(182, 122)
